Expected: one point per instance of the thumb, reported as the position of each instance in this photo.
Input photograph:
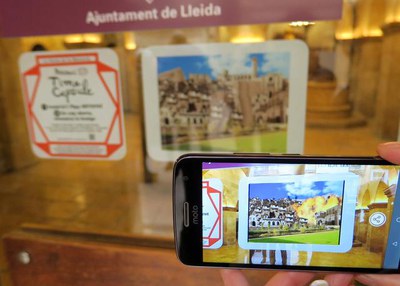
(378, 280)
(233, 277)
(390, 151)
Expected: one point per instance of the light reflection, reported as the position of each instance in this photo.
(130, 41)
(84, 38)
(239, 40)
(301, 24)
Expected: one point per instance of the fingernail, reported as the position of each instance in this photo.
(319, 283)
(365, 279)
(391, 145)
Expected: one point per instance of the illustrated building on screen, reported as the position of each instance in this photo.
(198, 107)
(277, 213)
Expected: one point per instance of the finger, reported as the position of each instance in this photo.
(290, 279)
(390, 151)
(378, 280)
(233, 277)
(339, 279)
(319, 283)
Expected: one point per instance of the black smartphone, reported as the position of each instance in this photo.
(287, 212)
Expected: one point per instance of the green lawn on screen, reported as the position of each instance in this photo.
(326, 237)
(274, 142)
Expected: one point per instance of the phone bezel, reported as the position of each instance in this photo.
(187, 175)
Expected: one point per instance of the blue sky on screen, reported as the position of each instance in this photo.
(235, 63)
(301, 190)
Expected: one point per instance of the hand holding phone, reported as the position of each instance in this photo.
(286, 212)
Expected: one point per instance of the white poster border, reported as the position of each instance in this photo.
(43, 146)
(298, 74)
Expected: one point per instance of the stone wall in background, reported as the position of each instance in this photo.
(387, 112)
(15, 139)
(365, 74)
(4, 160)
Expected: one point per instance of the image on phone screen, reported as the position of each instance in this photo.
(297, 212)
(322, 215)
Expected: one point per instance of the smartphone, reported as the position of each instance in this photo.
(287, 212)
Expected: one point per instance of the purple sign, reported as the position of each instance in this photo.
(45, 17)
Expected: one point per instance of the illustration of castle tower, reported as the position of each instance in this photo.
(255, 67)
(245, 96)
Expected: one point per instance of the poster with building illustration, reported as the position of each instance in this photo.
(276, 208)
(225, 97)
(298, 212)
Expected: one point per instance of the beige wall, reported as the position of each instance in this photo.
(370, 16)
(15, 134)
(4, 159)
(177, 36)
(365, 75)
(51, 43)
(388, 98)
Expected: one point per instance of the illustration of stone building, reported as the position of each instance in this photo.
(274, 213)
(175, 75)
(331, 216)
(199, 107)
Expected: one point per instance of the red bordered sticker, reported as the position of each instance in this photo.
(212, 213)
(73, 104)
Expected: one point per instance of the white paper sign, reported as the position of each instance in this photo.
(73, 104)
(212, 214)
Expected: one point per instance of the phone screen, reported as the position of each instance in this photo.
(321, 215)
